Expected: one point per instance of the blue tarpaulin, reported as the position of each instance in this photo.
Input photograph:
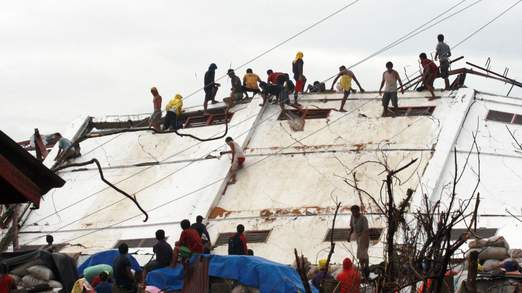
(252, 271)
(166, 279)
(107, 257)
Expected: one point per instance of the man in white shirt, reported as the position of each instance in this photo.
(390, 78)
(443, 52)
(238, 158)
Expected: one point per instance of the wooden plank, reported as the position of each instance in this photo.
(19, 181)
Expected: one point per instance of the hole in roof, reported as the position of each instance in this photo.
(305, 114)
(256, 236)
(341, 234)
(409, 111)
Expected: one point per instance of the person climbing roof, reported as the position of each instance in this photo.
(210, 86)
(346, 76)
(429, 73)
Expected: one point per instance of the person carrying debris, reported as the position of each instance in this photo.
(189, 242)
(163, 252)
(346, 76)
(7, 283)
(359, 232)
(174, 110)
(123, 278)
(238, 158)
(429, 73)
(210, 86)
(237, 244)
(66, 149)
(155, 118)
(322, 274)
(300, 79)
(203, 233)
(236, 92)
(350, 278)
(390, 78)
(443, 52)
(250, 80)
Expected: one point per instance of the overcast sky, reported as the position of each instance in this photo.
(64, 59)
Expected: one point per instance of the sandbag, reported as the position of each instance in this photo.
(93, 271)
(55, 284)
(515, 253)
(478, 243)
(15, 278)
(498, 241)
(491, 264)
(29, 281)
(41, 272)
(21, 270)
(499, 253)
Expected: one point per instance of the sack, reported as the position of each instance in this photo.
(515, 253)
(21, 270)
(478, 243)
(29, 281)
(55, 284)
(91, 272)
(491, 264)
(235, 246)
(498, 241)
(41, 272)
(499, 253)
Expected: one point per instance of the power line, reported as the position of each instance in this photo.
(413, 33)
(485, 25)
(283, 42)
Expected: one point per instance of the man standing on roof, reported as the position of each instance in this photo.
(237, 244)
(346, 76)
(123, 278)
(297, 69)
(210, 86)
(155, 118)
(390, 78)
(237, 89)
(350, 278)
(359, 232)
(429, 73)
(443, 52)
(238, 158)
(203, 233)
(174, 110)
(250, 81)
(66, 149)
(287, 88)
(189, 242)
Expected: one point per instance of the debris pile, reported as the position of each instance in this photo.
(35, 277)
(495, 255)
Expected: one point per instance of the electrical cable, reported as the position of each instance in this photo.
(488, 23)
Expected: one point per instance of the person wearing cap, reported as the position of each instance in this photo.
(250, 82)
(349, 279)
(210, 86)
(174, 110)
(346, 77)
(321, 274)
(297, 69)
(236, 92)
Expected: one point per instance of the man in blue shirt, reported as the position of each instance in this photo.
(123, 277)
(67, 150)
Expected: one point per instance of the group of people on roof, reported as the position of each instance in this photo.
(280, 86)
(194, 239)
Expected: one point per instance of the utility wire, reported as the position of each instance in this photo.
(283, 42)
(485, 25)
(413, 33)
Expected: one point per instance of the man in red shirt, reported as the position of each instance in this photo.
(7, 283)
(273, 77)
(430, 71)
(190, 239)
(349, 278)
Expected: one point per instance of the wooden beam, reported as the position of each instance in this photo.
(19, 181)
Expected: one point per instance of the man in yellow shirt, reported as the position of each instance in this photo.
(346, 76)
(250, 83)
(173, 109)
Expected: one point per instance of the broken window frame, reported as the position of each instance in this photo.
(341, 234)
(410, 111)
(137, 242)
(194, 121)
(252, 236)
(306, 114)
(504, 117)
